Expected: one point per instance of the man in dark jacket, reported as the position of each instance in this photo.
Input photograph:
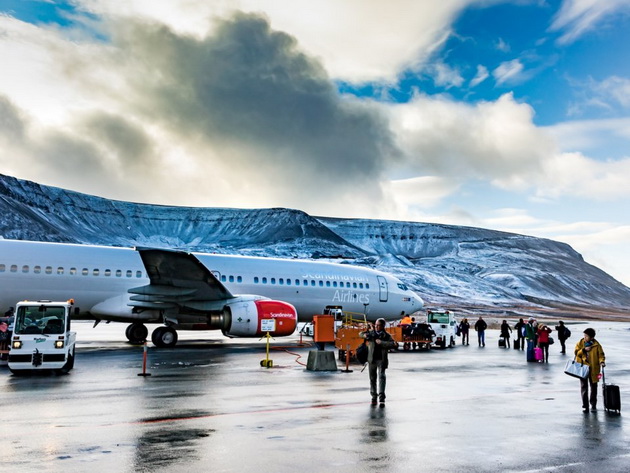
(563, 334)
(480, 328)
(378, 342)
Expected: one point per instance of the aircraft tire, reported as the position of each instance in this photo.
(137, 333)
(164, 337)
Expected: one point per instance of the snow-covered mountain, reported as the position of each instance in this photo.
(462, 267)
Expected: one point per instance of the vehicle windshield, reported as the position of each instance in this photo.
(438, 318)
(42, 319)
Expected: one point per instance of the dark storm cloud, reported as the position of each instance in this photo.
(250, 87)
(11, 121)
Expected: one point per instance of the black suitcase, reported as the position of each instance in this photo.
(517, 344)
(502, 342)
(612, 396)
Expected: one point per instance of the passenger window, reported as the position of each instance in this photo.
(25, 269)
(73, 271)
(37, 269)
(96, 272)
(85, 272)
(118, 273)
(327, 283)
(231, 278)
(14, 268)
(138, 274)
(48, 269)
(273, 280)
(2, 268)
(354, 285)
(129, 273)
(281, 281)
(223, 278)
(367, 285)
(256, 280)
(288, 282)
(321, 283)
(108, 272)
(297, 282)
(334, 283)
(313, 282)
(239, 279)
(60, 270)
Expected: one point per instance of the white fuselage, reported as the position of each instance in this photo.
(92, 275)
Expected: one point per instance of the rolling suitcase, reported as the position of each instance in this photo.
(612, 396)
(502, 342)
(538, 354)
(530, 352)
(517, 344)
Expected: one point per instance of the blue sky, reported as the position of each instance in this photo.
(511, 115)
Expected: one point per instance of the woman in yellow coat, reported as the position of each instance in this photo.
(589, 352)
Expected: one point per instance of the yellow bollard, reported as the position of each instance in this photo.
(267, 363)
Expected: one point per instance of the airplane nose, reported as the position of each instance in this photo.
(418, 301)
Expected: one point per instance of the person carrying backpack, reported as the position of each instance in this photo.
(563, 334)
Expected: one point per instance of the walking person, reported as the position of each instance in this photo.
(543, 341)
(589, 352)
(480, 328)
(378, 342)
(464, 328)
(505, 333)
(520, 333)
(563, 334)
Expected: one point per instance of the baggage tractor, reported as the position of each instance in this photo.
(538, 354)
(502, 342)
(612, 396)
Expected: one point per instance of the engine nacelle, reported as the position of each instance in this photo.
(256, 318)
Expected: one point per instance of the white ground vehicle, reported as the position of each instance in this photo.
(444, 325)
(42, 339)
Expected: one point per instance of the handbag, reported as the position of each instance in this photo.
(577, 370)
(551, 341)
(362, 353)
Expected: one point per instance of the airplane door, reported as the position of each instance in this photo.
(382, 289)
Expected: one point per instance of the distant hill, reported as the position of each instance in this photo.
(470, 269)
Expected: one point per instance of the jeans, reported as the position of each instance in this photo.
(481, 336)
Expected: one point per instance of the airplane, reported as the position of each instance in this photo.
(243, 296)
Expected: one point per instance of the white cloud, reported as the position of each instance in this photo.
(508, 72)
(577, 17)
(445, 75)
(494, 141)
(363, 40)
(481, 75)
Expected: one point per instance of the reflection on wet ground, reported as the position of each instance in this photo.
(209, 406)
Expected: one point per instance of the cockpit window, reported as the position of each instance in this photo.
(402, 286)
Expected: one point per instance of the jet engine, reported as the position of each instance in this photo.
(254, 318)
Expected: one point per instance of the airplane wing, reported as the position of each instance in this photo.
(176, 277)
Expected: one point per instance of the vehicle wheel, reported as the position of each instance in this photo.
(452, 344)
(406, 346)
(164, 337)
(65, 369)
(137, 333)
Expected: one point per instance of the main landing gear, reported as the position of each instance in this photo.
(162, 337)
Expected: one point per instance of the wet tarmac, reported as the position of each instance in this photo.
(209, 406)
